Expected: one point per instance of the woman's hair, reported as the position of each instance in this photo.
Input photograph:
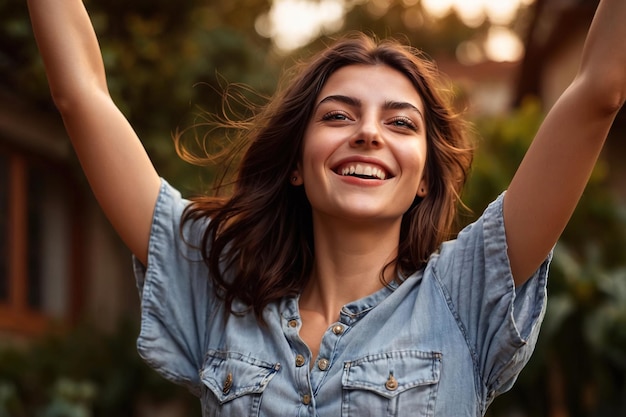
(259, 242)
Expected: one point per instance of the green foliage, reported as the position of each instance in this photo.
(82, 373)
(501, 144)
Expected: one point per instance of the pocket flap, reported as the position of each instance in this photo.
(230, 375)
(391, 373)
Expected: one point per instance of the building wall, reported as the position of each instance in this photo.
(60, 260)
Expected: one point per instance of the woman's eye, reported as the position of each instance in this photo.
(335, 115)
(404, 122)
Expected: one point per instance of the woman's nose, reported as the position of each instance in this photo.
(368, 134)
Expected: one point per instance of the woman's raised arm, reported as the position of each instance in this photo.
(554, 172)
(114, 160)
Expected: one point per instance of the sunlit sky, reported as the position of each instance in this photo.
(294, 23)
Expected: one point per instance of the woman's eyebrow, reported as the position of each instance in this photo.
(355, 102)
(350, 101)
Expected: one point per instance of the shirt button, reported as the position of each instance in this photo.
(228, 384)
(338, 329)
(293, 323)
(306, 399)
(322, 364)
(392, 383)
(300, 360)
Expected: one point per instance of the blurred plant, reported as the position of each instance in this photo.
(9, 403)
(70, 399)
(83, 373)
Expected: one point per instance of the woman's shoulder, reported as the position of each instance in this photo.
(486, 230)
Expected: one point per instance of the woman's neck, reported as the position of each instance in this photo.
(349, 260)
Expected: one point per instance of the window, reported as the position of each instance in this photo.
(36, 223)
(4, 247)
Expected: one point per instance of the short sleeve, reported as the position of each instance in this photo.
(175, 294)
(500, 322)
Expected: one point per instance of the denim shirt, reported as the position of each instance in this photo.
(444, 343)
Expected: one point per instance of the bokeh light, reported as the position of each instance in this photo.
(294, 23)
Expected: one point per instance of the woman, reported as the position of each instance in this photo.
(323, 285)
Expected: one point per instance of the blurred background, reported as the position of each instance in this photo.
(68, 302)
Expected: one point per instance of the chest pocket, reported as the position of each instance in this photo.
(235, 383)
(402, 383)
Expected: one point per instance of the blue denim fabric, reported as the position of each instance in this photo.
(443, 343)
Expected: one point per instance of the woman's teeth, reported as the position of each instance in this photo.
(363, 171)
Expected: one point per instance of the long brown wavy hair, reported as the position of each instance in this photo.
(259, 242)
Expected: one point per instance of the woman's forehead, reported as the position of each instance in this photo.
(372, 83)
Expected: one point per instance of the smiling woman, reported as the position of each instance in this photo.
(328, 283)
(323, 121)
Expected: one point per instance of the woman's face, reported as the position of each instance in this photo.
(365, 146)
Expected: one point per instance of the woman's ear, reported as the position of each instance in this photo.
(296, 179)
(422, 189)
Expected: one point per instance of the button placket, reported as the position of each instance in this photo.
(301, 357)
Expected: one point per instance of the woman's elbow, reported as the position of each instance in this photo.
(605, 91)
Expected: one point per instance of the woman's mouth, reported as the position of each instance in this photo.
(362, 170)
